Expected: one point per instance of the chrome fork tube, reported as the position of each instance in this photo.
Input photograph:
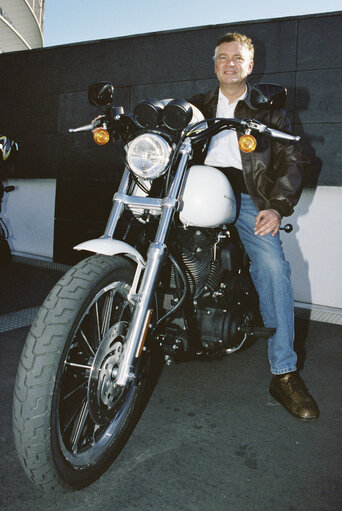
(138, 325)
(118, 206)
(170, 205)
(155, 257)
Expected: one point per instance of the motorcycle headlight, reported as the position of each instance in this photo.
(148, 155)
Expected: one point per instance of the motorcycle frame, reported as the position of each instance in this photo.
(157, 250)
(156, 254)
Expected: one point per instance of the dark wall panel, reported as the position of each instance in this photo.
(85, 193)
(319, 97)
(322, 143)
(38, 155)
(69, 232)
(319, 41)
(79, 156)
(44, 92)
(37, 114)
(8, 117)
(82, 209)
(183, 89)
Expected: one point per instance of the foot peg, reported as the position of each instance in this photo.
(256, 331)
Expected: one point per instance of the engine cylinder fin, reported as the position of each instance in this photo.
(198, 269)
(215, 276)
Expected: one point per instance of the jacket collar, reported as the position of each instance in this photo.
(211, 99)
(210, 102)
(247, 99)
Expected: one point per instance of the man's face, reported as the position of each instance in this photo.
(233, 63)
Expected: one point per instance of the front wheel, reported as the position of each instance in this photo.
(70, 420)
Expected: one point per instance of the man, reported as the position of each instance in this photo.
(268, 183)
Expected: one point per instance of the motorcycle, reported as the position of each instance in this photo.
(8, 149)
(168, 281)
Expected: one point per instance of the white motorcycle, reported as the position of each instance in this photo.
(169, 281)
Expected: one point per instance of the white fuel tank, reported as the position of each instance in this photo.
(208, 199)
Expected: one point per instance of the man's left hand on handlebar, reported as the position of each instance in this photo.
(267, 221)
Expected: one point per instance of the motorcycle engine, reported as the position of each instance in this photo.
(213, 264)
(197, 247)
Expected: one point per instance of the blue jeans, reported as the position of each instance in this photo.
(270, 273)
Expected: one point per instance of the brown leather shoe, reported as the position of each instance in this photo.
(290, 391)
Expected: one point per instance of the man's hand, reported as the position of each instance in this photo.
(267, 221)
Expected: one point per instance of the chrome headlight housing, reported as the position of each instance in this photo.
(148, 155)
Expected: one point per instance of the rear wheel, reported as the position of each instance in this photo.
(70, 419)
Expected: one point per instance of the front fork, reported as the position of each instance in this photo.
(155, 258)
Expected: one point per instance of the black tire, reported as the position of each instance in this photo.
(69, 425)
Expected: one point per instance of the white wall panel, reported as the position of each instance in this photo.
(29, 213)
(314, 248)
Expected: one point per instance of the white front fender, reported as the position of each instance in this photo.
(108, 246)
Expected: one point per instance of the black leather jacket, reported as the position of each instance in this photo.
(274, 172)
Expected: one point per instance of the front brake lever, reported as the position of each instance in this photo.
(254, 125)
(257, 126)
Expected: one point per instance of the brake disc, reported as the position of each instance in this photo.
(103, 394)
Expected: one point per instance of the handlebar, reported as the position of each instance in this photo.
(246, 125)
(282, 136)
(89, 127)
(219, 124)
(262, 128)
(86, 127)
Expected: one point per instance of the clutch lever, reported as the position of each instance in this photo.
(86, 127)
(98, 121)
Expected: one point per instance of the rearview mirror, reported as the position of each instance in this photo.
(268, 95)
(101, 94)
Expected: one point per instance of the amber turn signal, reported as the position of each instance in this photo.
(101, 136)
(247, 143)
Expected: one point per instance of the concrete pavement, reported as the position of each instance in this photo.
(211, 437)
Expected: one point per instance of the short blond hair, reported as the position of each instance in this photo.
(229, 37)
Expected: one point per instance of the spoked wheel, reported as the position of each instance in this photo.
(68, 372)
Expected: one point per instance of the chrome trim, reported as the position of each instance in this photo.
(155, 256)
(145, 202)
(139, 202)
(132, 296)
(117, 208)
(229, 351)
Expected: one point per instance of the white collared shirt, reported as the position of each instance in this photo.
(224, 148)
